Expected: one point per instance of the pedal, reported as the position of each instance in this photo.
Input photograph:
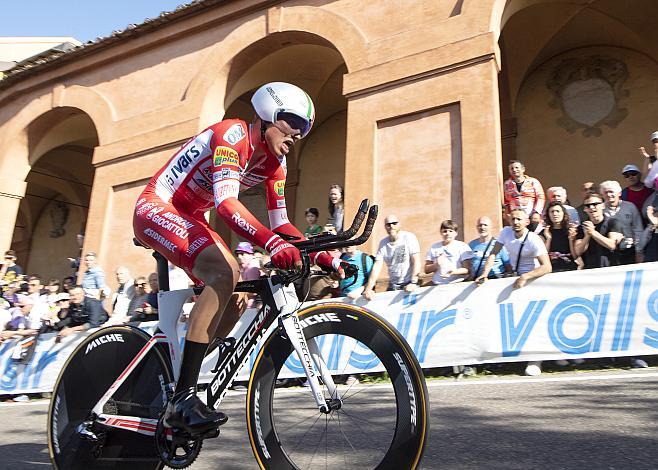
(85, 432)
(213, 433)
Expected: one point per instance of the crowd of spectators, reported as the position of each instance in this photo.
(543, 233)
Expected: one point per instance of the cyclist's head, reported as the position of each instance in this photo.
(279, 101)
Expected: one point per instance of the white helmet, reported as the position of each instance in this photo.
(279, 100)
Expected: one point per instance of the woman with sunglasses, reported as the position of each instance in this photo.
(208, 172)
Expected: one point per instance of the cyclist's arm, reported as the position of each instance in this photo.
(276, 205)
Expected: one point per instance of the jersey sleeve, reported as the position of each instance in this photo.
(276, 204)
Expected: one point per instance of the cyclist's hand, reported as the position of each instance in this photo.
(329, 263)
(284, 255)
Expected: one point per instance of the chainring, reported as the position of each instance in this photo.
(176, 449)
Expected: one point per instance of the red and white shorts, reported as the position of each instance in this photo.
(172, 231)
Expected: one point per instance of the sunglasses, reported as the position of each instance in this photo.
(295, 122)
(141, 284)
(390, 224)
(632, 173)
(592, 204)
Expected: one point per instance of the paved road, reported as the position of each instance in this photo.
(600, 420)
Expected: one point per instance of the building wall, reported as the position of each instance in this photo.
(609, 122)
(420, 89)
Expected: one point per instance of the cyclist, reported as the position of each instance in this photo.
(209, 171)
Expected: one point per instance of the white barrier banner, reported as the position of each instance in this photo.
(596, 313)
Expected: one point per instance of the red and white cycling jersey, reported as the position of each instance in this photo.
(210, 170)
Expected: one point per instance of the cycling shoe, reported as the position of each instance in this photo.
(189, 414)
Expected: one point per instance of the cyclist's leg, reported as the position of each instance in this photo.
(218, 270)
(190, 243)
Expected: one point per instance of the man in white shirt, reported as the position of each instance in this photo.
(528, 257)
(533, 261)
(449, 259)
(124, 294)
(401, 253)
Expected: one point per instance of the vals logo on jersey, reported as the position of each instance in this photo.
(234, 134)
(279, 187)
(226, 156)
(179, 166)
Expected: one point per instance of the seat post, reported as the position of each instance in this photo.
(162, 270)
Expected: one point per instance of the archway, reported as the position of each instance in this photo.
(54, 209)
(318, 161)
(577, 88)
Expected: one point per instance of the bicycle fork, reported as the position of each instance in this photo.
(314, 366)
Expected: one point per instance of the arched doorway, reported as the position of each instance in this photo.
(577, 88)
(319, 160)
(54, 209)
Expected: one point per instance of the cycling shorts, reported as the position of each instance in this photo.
(172, 231)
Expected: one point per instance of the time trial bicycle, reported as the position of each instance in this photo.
(108, 401)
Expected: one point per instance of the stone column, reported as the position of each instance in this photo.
(10, 198)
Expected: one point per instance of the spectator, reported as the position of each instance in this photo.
(312, 215)
(249, 268)
(559, 236)
(138, 304)
(336, 207)
(324, 286)
(559, 194)
(9, 270)
(40, 308)
(636, 192)
(68, 283)
(249, 265)
(10, 293)
(449, 259)
(527, 251)
(83, 313)
(353, 288)
(536, 224)
(585, 190)
(482, 248)
(522, 191)
(93, 281)
(122, 297)
(75, 262)
(23, 322)
(650, 242)
(49, 298)
(598, 237)
(51, 291)
(152, 296)
(628, 249)
(528, 255)
(400, 251)
(652, 170)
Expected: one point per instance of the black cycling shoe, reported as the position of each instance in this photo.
(188, 413)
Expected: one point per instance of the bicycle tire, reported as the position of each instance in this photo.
(277, 438)
(87, 375)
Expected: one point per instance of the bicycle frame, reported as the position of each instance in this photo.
(279, 302)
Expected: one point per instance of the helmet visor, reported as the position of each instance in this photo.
(296, 122)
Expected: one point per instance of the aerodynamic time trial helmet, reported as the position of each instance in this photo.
(283, 101)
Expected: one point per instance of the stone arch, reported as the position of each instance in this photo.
(575, 84)
(207, 92)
